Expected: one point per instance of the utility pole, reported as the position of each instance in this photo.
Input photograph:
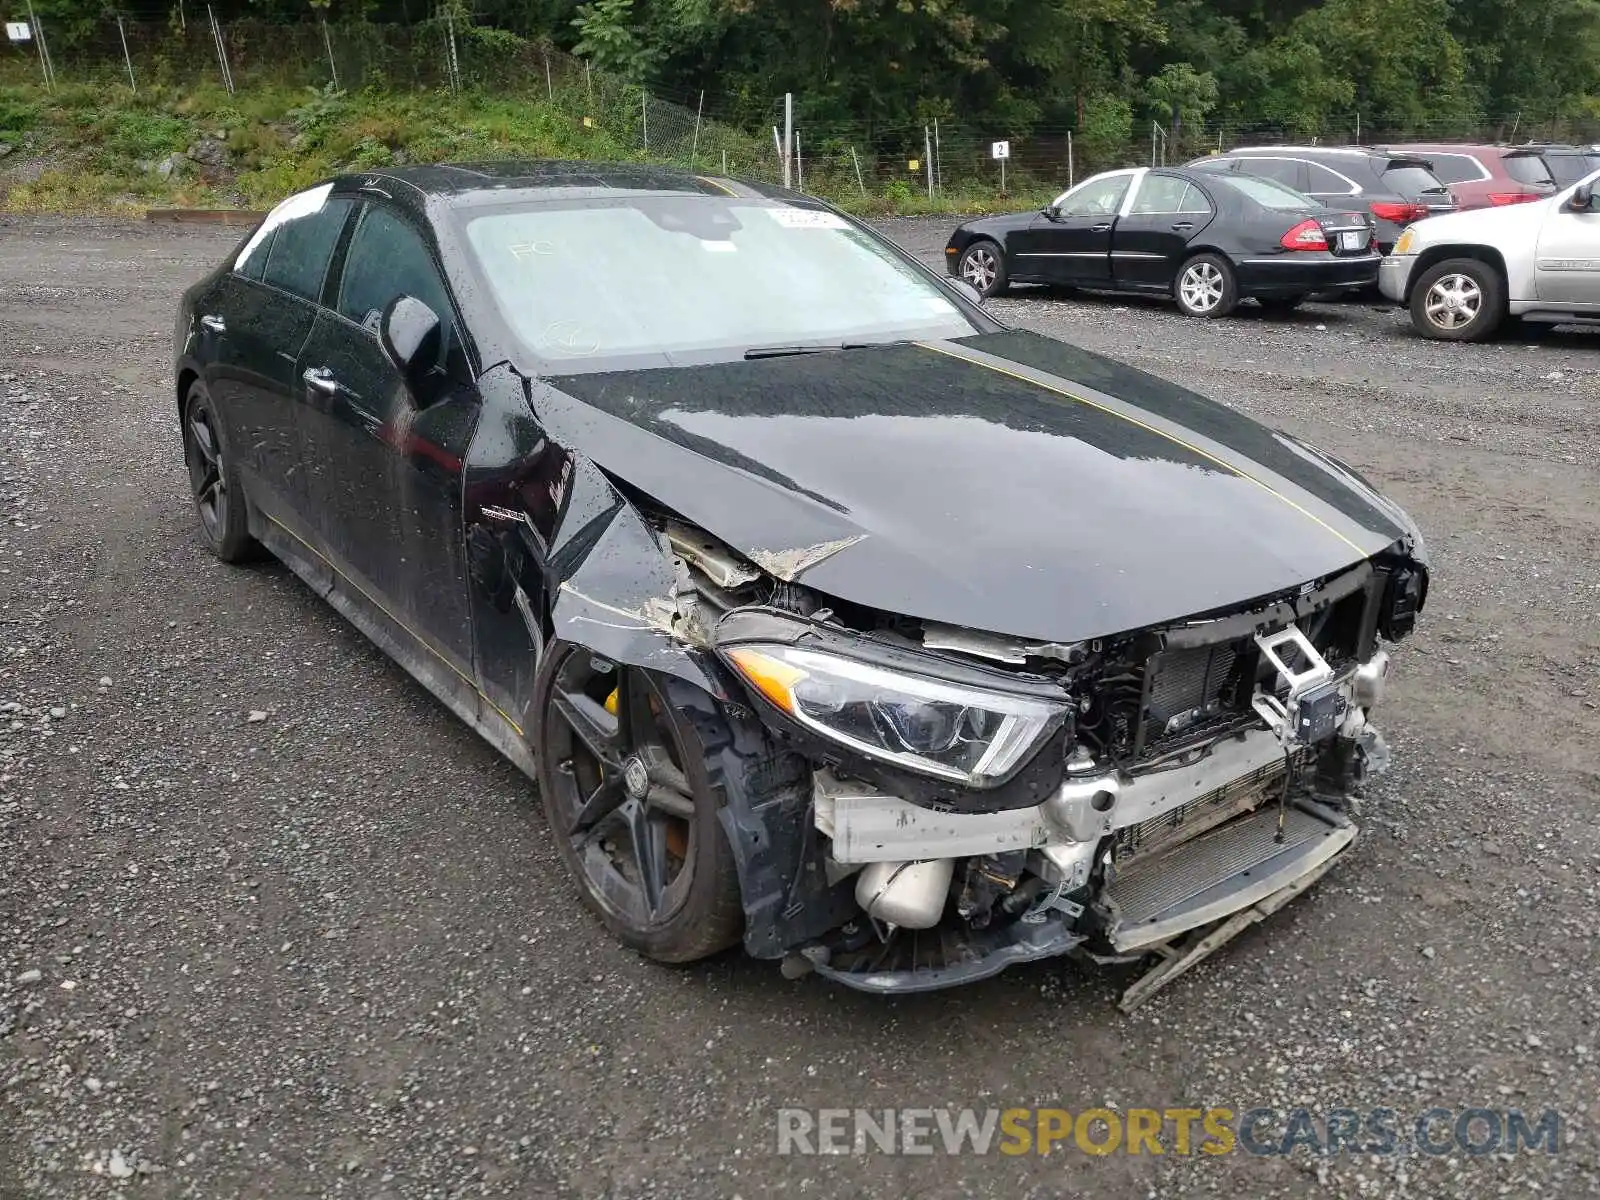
(788, 138)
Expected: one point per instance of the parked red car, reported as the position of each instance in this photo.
(1486, 176)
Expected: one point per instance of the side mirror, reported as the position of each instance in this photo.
(411, 334)
(1052, 211)
(1582, 200)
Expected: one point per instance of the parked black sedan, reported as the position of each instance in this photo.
(1207, 239)
(826, 613)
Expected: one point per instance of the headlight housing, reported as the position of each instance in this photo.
(1403, 243)
(952, 731)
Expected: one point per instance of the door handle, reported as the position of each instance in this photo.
(214, 323)
(1183, 224)
(320, 379)
(1100, 228)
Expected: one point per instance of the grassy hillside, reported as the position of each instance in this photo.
(98, 149)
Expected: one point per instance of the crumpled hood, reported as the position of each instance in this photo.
(1005, 482)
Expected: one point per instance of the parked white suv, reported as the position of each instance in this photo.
(1462, 275)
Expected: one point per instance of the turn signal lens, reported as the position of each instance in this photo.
(772, 677)
(1403, 244)
(1307, 235)
(1500, 198)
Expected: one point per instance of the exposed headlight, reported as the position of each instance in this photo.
(1403, 244)
(970, 735)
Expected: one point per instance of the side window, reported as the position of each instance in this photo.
(1097, 198)
(297, 260)
(1323, 182)
(252, 260)
(1285, 170)
(388, 258)
(1159, 194)
(1455, 168)
(1194, 201)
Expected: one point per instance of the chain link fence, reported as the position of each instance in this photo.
(940, 162)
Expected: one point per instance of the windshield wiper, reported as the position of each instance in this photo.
(786, 351)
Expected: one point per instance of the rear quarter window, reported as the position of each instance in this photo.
(1456, 168)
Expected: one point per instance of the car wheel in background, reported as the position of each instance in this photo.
(1280, 304)
(1459, 300)
(1206, 287)
(983, 265)
(218, 500)
(626, 789)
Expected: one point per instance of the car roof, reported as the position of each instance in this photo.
(1459, 148)
(452, 183)
(1364, 151)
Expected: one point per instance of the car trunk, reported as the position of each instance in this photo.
(1348, 232)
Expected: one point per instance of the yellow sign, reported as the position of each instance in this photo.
(914, 164)
(588, 122)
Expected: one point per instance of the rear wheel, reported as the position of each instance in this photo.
(624, 782)
(1206, 287)
(218, 500)
(1459, 300)
(983, 265)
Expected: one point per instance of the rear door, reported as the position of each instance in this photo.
(388, 459)
(1153, 239)
(1073, 246)
(1567, 265)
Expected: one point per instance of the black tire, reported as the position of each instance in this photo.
(1458, 300)
(983, 265)
(1280, 304)
(219, 499)
(656, 799)
(1205, 286)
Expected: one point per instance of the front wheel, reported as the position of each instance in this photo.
(624, 782)
(1459, 300)
(983, 265)
(1206, 287)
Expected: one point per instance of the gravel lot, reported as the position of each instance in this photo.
(328, 951)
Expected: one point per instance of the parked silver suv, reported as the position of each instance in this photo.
(1464, 274)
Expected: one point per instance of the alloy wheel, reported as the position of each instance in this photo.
(1202, 287)
(208, 478)
(1453, 301)
(980, 268)
(621, 798)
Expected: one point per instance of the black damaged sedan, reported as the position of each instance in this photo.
(1208, 239)
(826, 613)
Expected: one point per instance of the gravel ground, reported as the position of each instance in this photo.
(272, 923)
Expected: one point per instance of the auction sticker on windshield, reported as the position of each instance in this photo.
(807, 218)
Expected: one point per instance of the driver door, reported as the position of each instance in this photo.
(1567, 264)
(1072, 244)
(386, 459)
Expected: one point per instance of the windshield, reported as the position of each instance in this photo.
(665, 279)
(1267, 193)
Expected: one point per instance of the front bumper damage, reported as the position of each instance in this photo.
(1110, 867)
(1204, 774)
